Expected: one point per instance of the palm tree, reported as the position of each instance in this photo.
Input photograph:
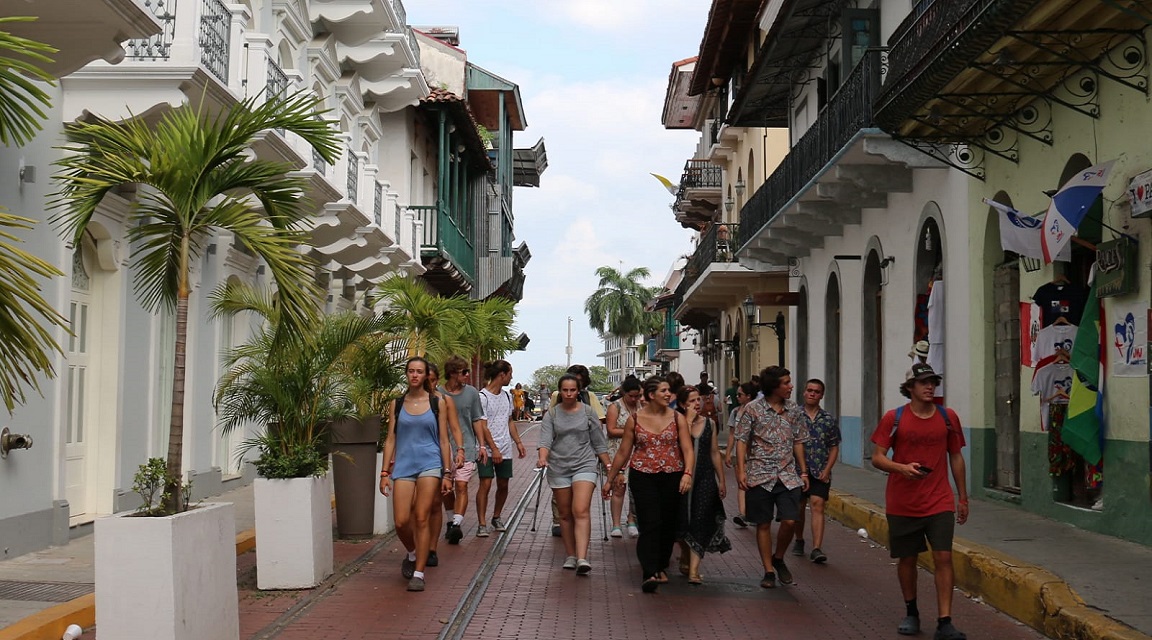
(432, 325)
(488, 329)
(25, 317)
(198, 180)
(617, 307)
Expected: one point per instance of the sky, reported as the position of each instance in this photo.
(592, 76)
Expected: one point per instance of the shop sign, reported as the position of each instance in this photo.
(1140, 194)
(1115, 268)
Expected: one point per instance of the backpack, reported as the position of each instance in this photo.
(900, 412)
(433, 401)
(708, 406)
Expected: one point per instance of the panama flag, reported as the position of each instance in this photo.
(1069, 206)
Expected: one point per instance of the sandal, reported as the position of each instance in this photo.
(695, 579)
(650, 584)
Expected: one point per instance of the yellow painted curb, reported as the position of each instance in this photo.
(50, 623)
(1032, 595)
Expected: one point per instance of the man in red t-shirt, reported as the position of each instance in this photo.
(923, 438)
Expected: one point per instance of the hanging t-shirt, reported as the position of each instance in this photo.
(1053, 383)
(1053, 338)
(1060, 300)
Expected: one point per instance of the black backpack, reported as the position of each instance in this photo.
(900, 412)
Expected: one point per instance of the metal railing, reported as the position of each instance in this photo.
(414, 45)
(717, 244)
(849, 111)
(401, 13)
(701, 174)
(353, 176)
(399, 217)
(443, 236)
(277, 83)
(319, 163)
(159, 46)
(714, 130)
(378, 206)
(215, 37)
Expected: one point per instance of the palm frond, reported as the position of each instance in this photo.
(22, 100)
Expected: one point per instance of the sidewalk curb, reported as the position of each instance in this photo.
(1032, 595)
(51, 623)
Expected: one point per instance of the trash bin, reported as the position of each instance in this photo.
(354, 470)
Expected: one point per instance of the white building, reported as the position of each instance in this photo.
(106, 412)
(635, 360)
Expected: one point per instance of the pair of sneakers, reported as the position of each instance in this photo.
(816, 556)
(582, 566)
(910, 626)
(497, 525)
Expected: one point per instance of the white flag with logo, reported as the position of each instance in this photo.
(1020, 233)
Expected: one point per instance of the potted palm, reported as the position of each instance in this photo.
(373, 372)
(195, 178)
(295, 387)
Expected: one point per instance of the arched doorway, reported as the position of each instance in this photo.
(928, 290)
(872, 349)
(832, 345)
(802, 338)
(1002, 284)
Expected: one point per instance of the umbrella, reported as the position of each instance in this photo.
(1070, 205)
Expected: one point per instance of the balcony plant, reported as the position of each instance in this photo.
(195, 178)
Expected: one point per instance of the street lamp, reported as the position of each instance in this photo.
(729, 204)
(739, 187)
(777, 326)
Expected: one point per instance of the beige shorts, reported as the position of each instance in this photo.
(464, 472)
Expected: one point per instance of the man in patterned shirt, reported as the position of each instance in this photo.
(770, 467)
(820, 452)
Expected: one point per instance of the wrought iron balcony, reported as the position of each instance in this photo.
(700, 174)
(277, 82)
(414, 44)
(445, 239)
(849, 111)
(718, 244)
(401, 13)
(215, 37)
(960, 69)
(353, 184)
(159, 46)
(378, 206)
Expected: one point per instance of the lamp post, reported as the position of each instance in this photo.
(777, 326)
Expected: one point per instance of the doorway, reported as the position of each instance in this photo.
(832, 346)
(872, 349)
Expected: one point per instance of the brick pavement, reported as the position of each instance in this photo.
(855, 595)
(529, 596)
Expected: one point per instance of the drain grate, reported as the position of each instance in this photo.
(42, 591)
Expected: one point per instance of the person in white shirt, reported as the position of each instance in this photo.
(497, 403)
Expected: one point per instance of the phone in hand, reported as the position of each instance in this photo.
(925, 469)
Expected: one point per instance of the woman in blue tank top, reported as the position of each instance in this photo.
(416, 459)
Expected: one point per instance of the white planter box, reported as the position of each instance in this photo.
(293, 532)
(168, 578)
(383, 521)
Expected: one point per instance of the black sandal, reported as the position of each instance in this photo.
(650, 584)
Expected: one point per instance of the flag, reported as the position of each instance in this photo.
(672, 188)
(1070, 205)
(1020, 233)
(1084, 422)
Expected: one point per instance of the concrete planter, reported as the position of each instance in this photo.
(168, 578)
(293, 532)
(383, 521)
(353, 455)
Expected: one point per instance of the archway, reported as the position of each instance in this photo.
(802, 338)
(832, 345)
(872, 348)
(1002, 337)
(928, 289)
